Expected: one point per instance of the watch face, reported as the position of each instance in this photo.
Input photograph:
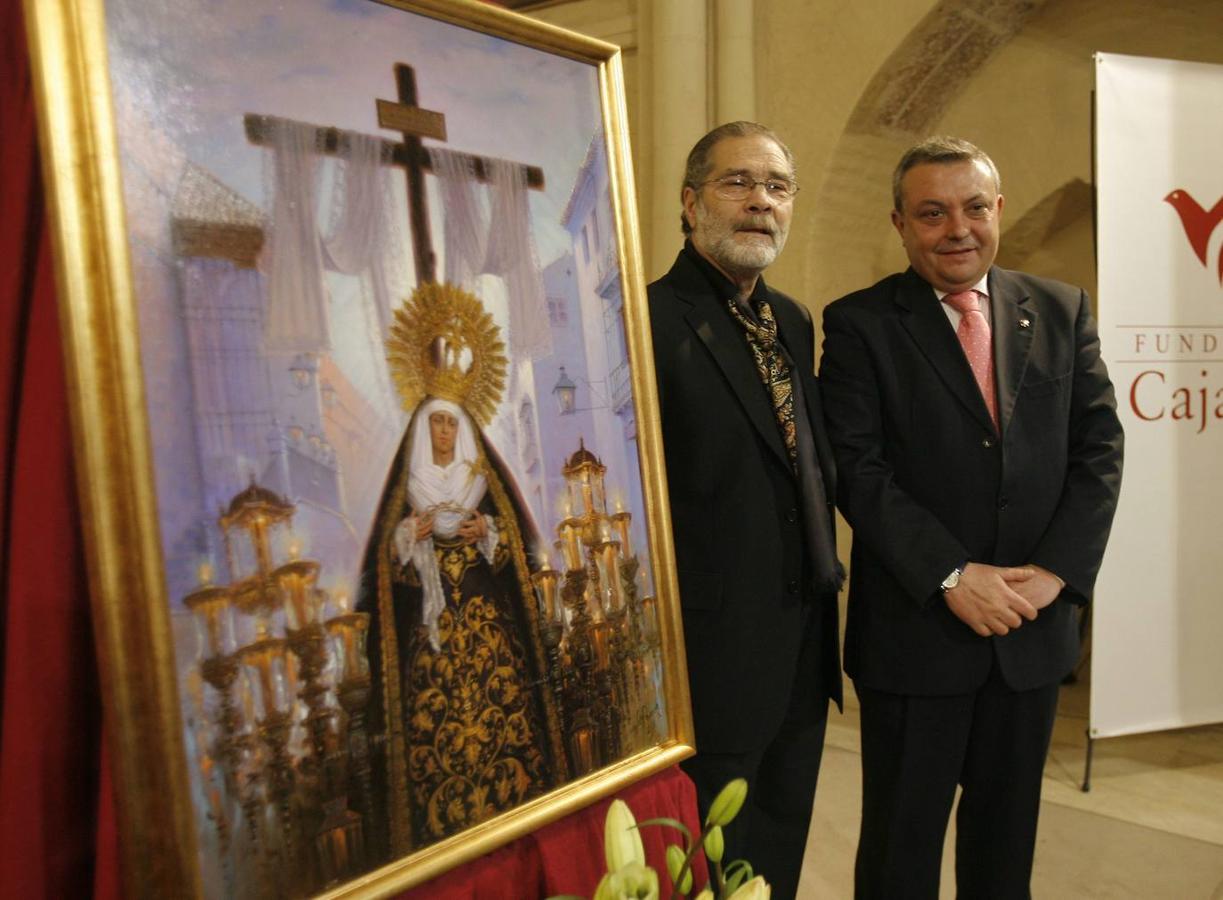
(951, 580)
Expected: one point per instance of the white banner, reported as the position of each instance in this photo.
(1157, 639)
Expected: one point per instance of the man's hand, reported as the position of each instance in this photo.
(987, 599)
(1041, 589)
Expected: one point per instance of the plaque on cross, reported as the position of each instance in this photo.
(413, 122)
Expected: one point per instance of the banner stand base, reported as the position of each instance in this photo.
(1091, 743)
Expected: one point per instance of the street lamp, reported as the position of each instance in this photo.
(566, 393)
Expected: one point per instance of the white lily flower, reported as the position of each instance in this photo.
(754, 889)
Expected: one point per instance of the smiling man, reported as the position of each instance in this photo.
(979, 454)
(751, 483)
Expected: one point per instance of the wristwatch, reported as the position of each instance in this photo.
(952, 580)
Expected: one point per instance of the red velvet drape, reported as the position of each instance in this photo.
(57, 833)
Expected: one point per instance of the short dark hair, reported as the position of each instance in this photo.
(697, 168)
(942, 149)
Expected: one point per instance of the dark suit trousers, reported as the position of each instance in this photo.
(771, 830)
(915, 750)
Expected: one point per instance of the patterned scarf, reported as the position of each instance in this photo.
(774, 370)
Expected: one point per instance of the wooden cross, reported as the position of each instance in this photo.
(413, 123)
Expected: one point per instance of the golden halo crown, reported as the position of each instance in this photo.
(444, 344)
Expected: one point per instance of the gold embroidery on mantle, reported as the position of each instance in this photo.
(474, 736)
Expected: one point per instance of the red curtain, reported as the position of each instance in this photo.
(57, 834)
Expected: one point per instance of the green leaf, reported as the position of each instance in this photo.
(669, 823)
(737, 872)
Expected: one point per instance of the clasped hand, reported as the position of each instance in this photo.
(471, 529)
(996, 599)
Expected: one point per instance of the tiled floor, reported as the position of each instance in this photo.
(1151, 828)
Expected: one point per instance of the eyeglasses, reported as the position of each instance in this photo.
(740, 187)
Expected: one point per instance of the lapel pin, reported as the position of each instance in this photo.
(1024, 323)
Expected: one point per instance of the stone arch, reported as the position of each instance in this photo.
(1016, 76)
(1066, 208)
(903, 102)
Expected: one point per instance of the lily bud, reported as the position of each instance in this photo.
(621, 839)
(675, 862)
(727, 804)
(715, 845)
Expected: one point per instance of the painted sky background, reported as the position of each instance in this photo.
(197, 67)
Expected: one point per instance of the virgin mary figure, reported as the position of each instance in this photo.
(464, 723)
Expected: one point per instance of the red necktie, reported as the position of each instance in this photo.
(974, 338)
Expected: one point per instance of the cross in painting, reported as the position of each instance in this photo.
(413, 122)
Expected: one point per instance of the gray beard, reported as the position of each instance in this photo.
(740, 256)
(720, 244)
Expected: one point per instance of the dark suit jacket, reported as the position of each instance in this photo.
(748, 609)
(927, 483)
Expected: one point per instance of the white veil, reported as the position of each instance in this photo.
(451, 493)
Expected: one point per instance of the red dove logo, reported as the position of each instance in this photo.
(1199, 223)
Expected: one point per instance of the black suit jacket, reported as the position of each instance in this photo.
(752, 625)
(927, 483)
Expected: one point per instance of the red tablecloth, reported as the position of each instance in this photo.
(566, 857)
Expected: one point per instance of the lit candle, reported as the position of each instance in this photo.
(204, 574)
(350, 652)
(212, 615)
(342, 602)
(280, 689)
(611, 572)
(195, 690)
(545, 586)
(360, 632)
(297, 596)
(622, 521)
(573, 550)
(649, 610)
(587, 492)
(248, 703)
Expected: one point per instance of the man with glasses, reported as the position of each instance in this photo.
(751, 481)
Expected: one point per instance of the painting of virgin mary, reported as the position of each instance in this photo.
(463, 722)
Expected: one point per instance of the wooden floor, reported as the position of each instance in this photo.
(1151, 828)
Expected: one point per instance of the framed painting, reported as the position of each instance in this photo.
(368, 442)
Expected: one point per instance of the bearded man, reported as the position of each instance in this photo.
(751, 481)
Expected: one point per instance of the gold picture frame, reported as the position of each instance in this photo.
(155, 123)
